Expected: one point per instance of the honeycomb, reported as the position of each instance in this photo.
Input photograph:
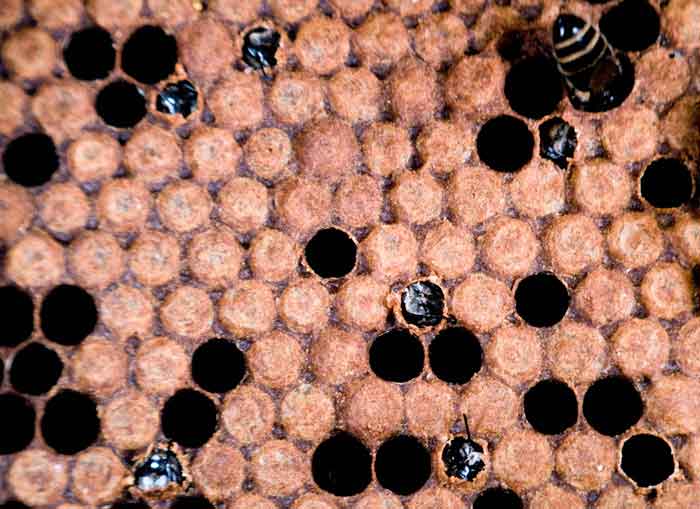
(329, 254)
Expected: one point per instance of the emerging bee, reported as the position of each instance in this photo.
(462, 461)
(177, 98)
(160, 473)
(259, 48)
(597, 78)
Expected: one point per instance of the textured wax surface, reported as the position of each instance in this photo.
(159, 188)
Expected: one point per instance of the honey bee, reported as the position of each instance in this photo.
(462, 461)
(259, 48)
(597, 78)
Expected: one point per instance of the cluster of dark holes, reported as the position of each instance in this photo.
(218, 366)
(455, 355)
(70, 421)
(342, 465)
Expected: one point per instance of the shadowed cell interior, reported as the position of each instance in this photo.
(396, 356)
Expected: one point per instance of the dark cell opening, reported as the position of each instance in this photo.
(616, 24)
(35, 369)
(192, 502)
(90, 54)
(68, 315)
(666, 183)
(17, 424)
(647, 460)
(158, 472)
(342, 465)
(149, 55)
(541, 299)
(130, 504)
(423, 304)
(463, 458)
(397, 356)
(260, 46)
(13, 504)
(30, 160)
(177, 419)
(16, 314)
(70, 422)
(331, 253)
(505, 144)
(218, 365)
(498, 498)
(612, 405)
(534, 87)
(402, 464)
(177, 98)
(455, 355)
(551, 407)
(557, 141)
(121, 104)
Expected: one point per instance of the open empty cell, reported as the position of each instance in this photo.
(498, 498)
(16, 424)
(647, 459)
(396, 356)
(331, 253)
(342, 465)
(17, 315)
(402, 464)
(90, 54)
(615, 25)
(121, 104)
(30, 160)
(534, 87)
(455, 355)
(612, 405)
(68, 315)
(541, 299)
(218, 365)
(35, 369)
(551, 407)
(70, 422)
(189, 418)
(149, 55)
(505, 143)
(666, 183)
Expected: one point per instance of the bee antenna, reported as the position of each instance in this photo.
(466, 426)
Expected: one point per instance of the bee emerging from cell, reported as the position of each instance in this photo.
(597, 78)
(260, 46)
(160, 473)
(462, 461)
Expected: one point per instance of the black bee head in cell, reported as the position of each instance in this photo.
(260, 46)
(462, 457)
(423, 304)
(159, 471)
(557, 141)
(177, 98)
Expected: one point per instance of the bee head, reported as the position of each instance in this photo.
(565, 27)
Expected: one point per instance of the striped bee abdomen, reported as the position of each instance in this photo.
(597, 78)
(578, 45)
